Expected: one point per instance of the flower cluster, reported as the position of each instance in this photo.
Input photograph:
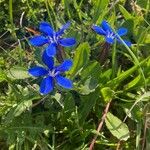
(53, 74)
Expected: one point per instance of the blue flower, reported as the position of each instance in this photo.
(108, 33)
(52, 74)
(52, 38)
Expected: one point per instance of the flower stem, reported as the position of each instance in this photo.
(104, 53)
(60, 54)
(100, 125)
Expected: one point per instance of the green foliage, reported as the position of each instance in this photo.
(107, 94)
(125, 13)
(18, 73)
(67, 120)
(80, 59)
(117, 127)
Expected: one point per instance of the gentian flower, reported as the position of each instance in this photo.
(109, 34)
(52, 38)
(51, 74)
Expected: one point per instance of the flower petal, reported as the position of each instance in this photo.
(63, 28)
(38, 41)
(98, 30)
(128, 43)
(38, 71)
(122, 31)
(67, 42)
(106, 26)
(46, 28)
(46, 85)
(48, 61)
(64, 82)
(51, 49)
(109, 40)
(65, 66)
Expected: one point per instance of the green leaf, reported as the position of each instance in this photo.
(22, 107)
(125, 13)
(92, 69)
(2, 76)
(2, 62)
(80, 59)
(100, 10)
(117, 127)
(105, 76)
(135, 114)
(89, 86)
(147, 40)
(89, 78)
(87, 104)
(18, 73)
(133, 82)
(142, 4)
(145, 97)
(69, 103)
(116, 81)
(107, 94)
(17, 110)
(58, 98)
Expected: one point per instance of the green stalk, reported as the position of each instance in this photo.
(51, 7)
(136, 61)
(48, 11)
(147, 10)
(11, 18)
(138, 135)
(114, 61)
(78, 9)
(67, 8)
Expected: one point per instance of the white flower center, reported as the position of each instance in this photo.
(54, 39)
(110, 35)
(53, 73)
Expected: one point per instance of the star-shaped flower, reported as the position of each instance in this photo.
(109, 34)
(52, 38)
(51, 74)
